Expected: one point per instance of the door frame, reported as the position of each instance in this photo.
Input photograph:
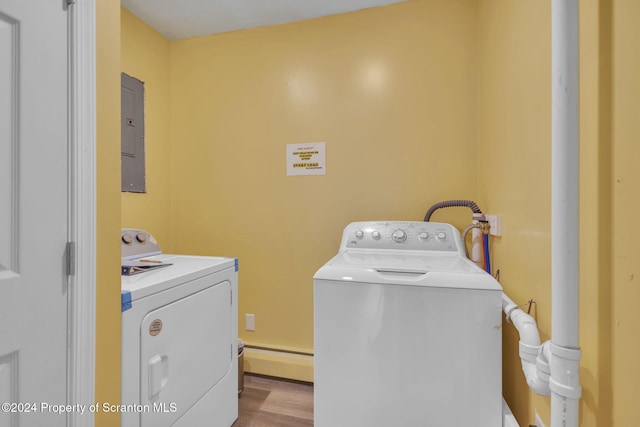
(81, 308)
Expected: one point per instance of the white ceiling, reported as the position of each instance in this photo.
(191, 18)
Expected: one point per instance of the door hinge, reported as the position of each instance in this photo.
(71, 258)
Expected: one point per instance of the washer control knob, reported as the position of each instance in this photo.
(441, 236)
(359, 234)
(376, 235)
(423, 235)
(127, 238)
(141, 237)
(399, 236)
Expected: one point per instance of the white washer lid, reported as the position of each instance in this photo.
(400, 268)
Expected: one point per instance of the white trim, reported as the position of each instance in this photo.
(82, 209)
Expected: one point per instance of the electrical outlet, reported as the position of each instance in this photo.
(495, 224)
(250, 322)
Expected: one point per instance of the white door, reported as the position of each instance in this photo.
(33, 211)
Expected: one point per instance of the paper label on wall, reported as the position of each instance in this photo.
(306, 159)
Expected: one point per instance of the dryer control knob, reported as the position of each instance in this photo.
(376, 235)
(127, 238)
(399, 236)
(441, 236)
(141, 237)
(359, 234)
(424, 235)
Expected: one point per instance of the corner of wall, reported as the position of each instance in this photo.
(108, 341)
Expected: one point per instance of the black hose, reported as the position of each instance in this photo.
(452, 203)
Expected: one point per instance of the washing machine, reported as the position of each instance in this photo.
(407, 331)
(179, 337)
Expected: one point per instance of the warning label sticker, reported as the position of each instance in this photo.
(306, 159)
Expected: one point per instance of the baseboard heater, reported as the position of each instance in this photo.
(278, 361)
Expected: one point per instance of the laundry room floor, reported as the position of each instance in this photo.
(269, 402)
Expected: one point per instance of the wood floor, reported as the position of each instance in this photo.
(267, 402)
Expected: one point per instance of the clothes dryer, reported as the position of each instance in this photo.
(179, 337)
(407, 331)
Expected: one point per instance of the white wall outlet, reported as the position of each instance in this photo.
(495, 224)
(250, 322)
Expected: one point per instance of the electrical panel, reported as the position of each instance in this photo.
(132, 135)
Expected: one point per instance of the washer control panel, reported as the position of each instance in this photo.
(405, 235)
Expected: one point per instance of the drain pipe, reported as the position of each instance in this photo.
(565, 350)
(533, 355)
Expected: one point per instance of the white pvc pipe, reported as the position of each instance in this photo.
(524, 323)
(565, 360)
(476, 241)
(534, 362)
(564, 169)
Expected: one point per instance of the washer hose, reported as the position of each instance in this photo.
(464, 236)
(452, 203)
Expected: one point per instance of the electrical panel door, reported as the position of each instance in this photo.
(132, 128)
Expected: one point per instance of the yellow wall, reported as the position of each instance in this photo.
(418, 102)
(108, 207)
(514, 141)
(145, 56)
(514, 128)
(392, 93)
(623, 35)
(597, 408)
